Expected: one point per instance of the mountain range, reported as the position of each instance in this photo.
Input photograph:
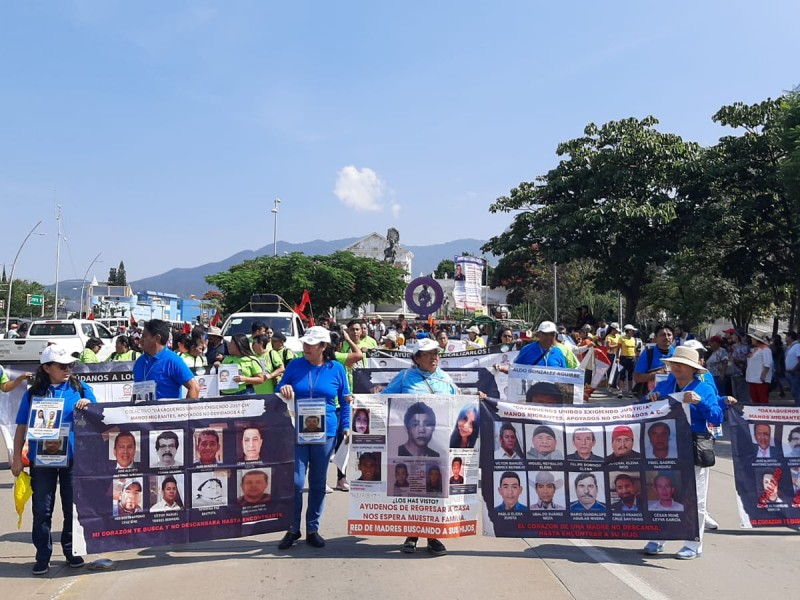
(191, 281)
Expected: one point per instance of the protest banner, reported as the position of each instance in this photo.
(468, 281)
(765, 441)
(545, 385)
(414, 466)
(472, 370)
(622, 472)
(178, 472)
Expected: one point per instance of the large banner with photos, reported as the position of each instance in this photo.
(414, 466)
(766, 465)
(622, 472)
(178, 472)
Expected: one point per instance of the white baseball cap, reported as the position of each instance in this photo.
(56, 354)
(547, 327)
(316, 335)
(426, 345)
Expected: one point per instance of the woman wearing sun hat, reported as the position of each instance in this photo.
(685, 382)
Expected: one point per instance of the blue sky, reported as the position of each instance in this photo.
(166, 129)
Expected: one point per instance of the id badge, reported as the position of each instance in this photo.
(44, 420)
(53, 453)
(310, 420)
(144, 391)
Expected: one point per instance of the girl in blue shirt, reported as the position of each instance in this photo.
(53, 379)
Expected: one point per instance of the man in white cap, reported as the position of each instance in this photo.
(543, 353)
(474, 339)
(546, 485)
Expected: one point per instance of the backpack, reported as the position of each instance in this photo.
(641, 389)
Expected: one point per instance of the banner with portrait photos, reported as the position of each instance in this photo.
(110, 382)
(178, 472)
(621, 472)
(472, 370)
(765, 441)
(414, 466)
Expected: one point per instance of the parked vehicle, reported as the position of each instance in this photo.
(272, 310)
(70, 333)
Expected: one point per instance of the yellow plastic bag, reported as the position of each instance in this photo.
(22, 493)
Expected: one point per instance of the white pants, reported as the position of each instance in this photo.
(701, 477)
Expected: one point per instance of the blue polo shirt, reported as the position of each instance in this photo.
(167, 369)
(532, 354)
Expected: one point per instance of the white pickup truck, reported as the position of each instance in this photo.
(267, 308)
(70, 333)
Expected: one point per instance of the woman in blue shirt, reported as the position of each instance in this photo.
(686, 383)
(315, 375)
(425, 377)
(53, 379)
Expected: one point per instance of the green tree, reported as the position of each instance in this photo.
(20, 290)
(334, 281)
(122, 277)
(615, 198)
(748, 216)
(112, 276)
(445, 268)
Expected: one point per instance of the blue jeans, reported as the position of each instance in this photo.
(314, 459)
(794, 382)
(43, 484)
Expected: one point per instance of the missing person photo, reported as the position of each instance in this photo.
(166, 493)
(585, 443)
(508, 438)
(255, 487)
(210, 489)
(167, 448)
(207, 446)
(124, 448)
(660, 441)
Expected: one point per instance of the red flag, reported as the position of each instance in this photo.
(215, 319)
(91, 317)
(300, 309)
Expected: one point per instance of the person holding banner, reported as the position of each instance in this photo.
(704, 412)
(543, 353)
(425, 377)
(53, 379)
(251, 371)
(315, 375)
(7, 385)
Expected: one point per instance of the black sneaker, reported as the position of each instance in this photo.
(41, 568)
(409, 546)
(436, 547)
(289, 539)
(76, 562)
(315, 539)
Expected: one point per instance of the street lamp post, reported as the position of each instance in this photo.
(275, 230)
(11, 277)
(83, 285)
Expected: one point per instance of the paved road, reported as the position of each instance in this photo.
(737, 563)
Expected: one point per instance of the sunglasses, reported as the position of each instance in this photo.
(64, 367)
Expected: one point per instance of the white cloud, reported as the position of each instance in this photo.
(359, 189)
